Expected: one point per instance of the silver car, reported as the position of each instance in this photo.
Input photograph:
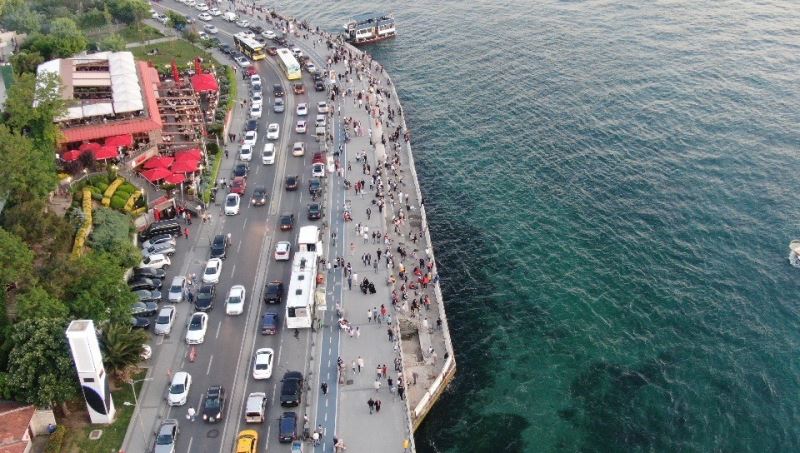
(166, 436)
(165, 319)
(165, 248)
(177, 290)
(278, 107)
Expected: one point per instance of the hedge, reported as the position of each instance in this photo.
(131, 202)
(110, 191)
(83, 232)
(56, 440)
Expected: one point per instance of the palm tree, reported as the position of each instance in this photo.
(122, 348)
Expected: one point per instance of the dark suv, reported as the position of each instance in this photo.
(269, 323)
(252, 125)
(219, 247)
(204, 301)
(273, 293)
(277, 91)
(287, 427)
(291, 388)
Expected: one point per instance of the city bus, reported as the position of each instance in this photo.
(249, 46)
(289, 64)
(300, 298)
(308, 240)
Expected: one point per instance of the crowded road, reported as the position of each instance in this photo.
(226, 356)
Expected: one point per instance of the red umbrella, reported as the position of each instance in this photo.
(120, 140)
(69, 156)
(106, 152)
(189, 154)
(185, 166)
(159, 162)
(91, 146)
(175, 178)
(155, 174)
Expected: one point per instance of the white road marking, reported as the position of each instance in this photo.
(244, 225)
(233, 270)
(210, 361)
(189, 448)
(219, 326)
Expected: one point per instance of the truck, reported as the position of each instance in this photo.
(230, 16)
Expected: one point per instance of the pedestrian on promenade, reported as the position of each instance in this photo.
(190, 414)
(324, 388)
(226, 153)
(371, 404)
(390, 333)
(369, 315)
(378, 405)
(383, 370)
(375, 266)
(377, 386)
(186, 232)
(358, 332)
(350, 282)
(379, 371)
(354, 367)
(401, 391)
(389, 319)
(360, 364)
(375, 314)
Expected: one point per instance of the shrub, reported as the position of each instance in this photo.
(118, 203)
(56, 440)
(131, 202)
(97, 196)
(101, 187)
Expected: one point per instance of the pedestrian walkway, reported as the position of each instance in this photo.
(131, 45)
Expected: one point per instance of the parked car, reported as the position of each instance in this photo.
(232, 202)
(240, 170)
(148, 296)
(317, 170)
(165, 319)
(165, 248)
(159, 239)
(179, 388)
(214, 404)
(155, 262)
(268, 154)
(166, 436)
(273, 131)
(196, 331)
(287, 427)
(144, 309)
(139, 322)
(204, 300)
(234, 304)
(255, 407)
(250, 138)
(149, 272)
(273, 292)
(262, 363)
(144, 283)
(212, 271)
(291, 388)
(219, 247)
(251, 125)
(242, 61)
(322, 107)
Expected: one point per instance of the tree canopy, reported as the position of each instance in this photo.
(16, 259)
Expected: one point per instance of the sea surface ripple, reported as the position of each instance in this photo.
(611, 190)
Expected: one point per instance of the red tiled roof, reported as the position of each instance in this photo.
(149, 78)
(14, 421)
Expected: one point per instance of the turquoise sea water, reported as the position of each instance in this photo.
(611, 190)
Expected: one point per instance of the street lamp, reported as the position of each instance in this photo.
(136, 404)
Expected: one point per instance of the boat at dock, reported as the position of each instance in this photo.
(369, 28)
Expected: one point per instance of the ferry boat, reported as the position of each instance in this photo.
(369, 28)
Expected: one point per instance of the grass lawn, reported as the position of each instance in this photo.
(144, 33)
(111, 441)
(181, 50)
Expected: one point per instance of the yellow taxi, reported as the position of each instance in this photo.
(247, 441)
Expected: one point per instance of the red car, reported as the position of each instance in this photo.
(318, 158)
(238, 185)
(251, 70)
(299, 88)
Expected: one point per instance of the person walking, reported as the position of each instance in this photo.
(384, 369)
(360, 364)
(377, 405)
(186, 233)
(390, 333)
(369, 315)
(190, 414)
(377, 386)
(371, 404)
(401, 391)
(324, 388)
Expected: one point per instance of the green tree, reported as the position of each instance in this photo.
(17, 15)
(112, 42)
(36, 122)
(122, 348)
(27, 172)
(40, 367)
(68, 37)
(26, 61)
(16, 260)
(47, 233)
(36, 303)
(129, 11)
(177, 20)
(99, 291)
(112, 234)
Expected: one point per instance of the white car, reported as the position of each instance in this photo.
(204, 16)
(256, 110)
(318, 170)
(203, 35)
(177, 290)
(234, 304)
(300, 128)
(273, 131)
(311, 68)
(302, 109)
(298, 53)
(163, 19)
(156, 262)
(248, 33)
(179, 388)
(232, 202)
(322, 107)
(242, 61)
(243, 23)
(269, 34)
(164, 320)
(212, 271)
(283, 250)
(212, 29)
(298, 149)
(215, 12)
(255, 79)
(190, 2)
(246, 153)
(198, 324)
(201, 7)
(268, 154)
(251, 137)
(262, 364)
(257, 98)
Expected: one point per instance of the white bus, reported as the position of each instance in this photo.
(300, 298)
(289, 64)
(308, 240)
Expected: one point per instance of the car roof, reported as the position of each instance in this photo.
(293, 375)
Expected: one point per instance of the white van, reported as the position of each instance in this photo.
(230, 16)
(256, 407)
(268, 154)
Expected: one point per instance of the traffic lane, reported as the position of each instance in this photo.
(224, 333)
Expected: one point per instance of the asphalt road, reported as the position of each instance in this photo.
(225, 358)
